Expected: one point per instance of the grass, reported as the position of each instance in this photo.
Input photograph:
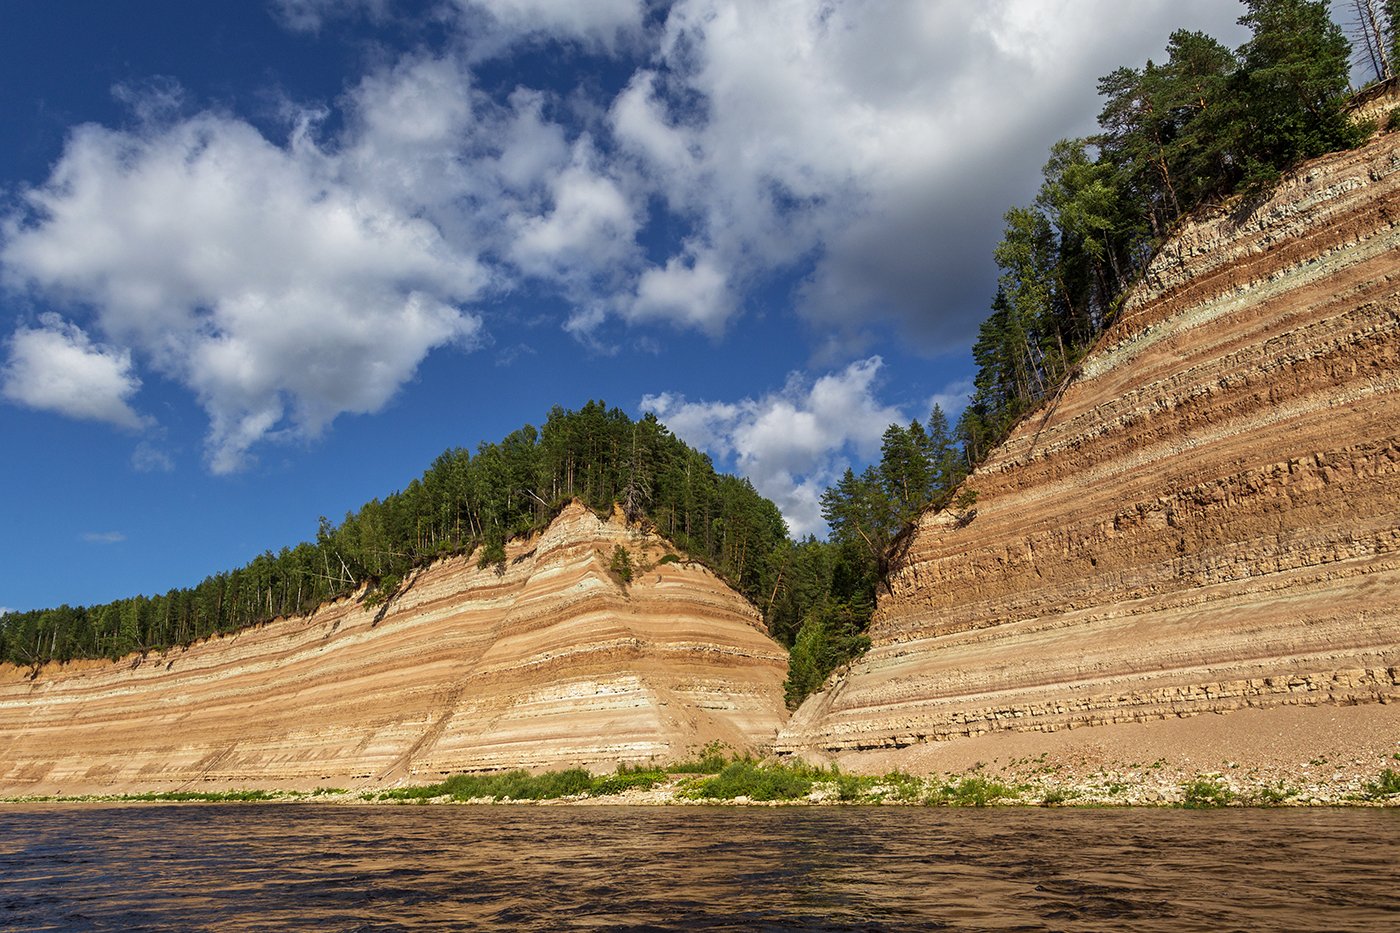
(211, 796)
(744, 777)
(1387, 784)
(1272, 795)
(1205, 793)
(710, 760)
(973, 791)
(1056, 796)
(713, 775)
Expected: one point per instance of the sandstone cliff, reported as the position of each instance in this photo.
(1207, 519)
(551, 663)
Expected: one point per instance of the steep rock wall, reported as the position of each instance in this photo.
(1207, 519)
(551, 663)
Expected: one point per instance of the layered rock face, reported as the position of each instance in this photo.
(1207, 519)
(551, 663)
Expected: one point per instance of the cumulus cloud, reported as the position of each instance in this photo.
(792, 443)
(57, 367)
(597, 23)
(590, 224)
(867, 147)
(494, 26)
(262, 276)
(883, 139)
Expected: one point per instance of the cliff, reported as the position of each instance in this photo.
(1206, 520)
(549, 664)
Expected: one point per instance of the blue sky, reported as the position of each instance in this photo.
(262, 260)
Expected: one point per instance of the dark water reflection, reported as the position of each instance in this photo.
(267, 867)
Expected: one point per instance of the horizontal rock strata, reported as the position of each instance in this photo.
(551, 663)
(1207, 519)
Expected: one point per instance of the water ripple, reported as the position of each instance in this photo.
(322, 867)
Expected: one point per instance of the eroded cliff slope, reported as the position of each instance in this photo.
(551, 663)
(1207, 519)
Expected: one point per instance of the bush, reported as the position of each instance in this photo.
(1392, 121)
(626, 779)
(1387, 784)
(1205, 793)
(902, 786)
(710, 761)
(1272, 795)
(492, 552)
(513, 785)
(832, 634)
(970, 792)
(621, 565)
(748, 778)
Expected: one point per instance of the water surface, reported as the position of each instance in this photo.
(323, 867)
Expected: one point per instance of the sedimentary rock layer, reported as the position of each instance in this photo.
(1208, 518)
(551, 663)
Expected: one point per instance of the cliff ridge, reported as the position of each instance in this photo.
(1207, 519)
(547, 661)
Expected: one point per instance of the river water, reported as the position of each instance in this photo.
(326, 867)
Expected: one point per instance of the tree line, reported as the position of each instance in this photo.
(1207, 123)
(464, 502)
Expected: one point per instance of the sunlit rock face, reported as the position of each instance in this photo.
(551, 663)
(1207, 519)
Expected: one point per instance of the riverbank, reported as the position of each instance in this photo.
(1032, 782)
(1299, 756)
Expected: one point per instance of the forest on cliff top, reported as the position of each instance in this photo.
(1208, 123)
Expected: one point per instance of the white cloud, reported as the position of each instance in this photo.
(792, 443)
(883, 139)
(148, 458)
(590, 224)
(56, 367)
(596, 23)
(279, 289)
(494, 26)
(311, 15)
(103, 537)
(690, 290)
(952, 398)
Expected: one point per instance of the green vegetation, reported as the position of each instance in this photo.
(710, 760)
(755, 780)
(1387, 784)
(1272, 795)
(824, 592)
(1205, 124)
(621, 565)
(713, 776)
(971, 791)
(1206, 792)
(462, 502)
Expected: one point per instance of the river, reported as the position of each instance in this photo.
(327, 867)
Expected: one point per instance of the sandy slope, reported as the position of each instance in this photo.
(550, 664)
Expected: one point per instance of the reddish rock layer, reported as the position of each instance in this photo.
(552, 663)
(1207, 519)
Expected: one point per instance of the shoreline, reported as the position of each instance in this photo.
(976, 789)
(1298, 756)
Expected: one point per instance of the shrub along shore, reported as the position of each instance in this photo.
(714, 778)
